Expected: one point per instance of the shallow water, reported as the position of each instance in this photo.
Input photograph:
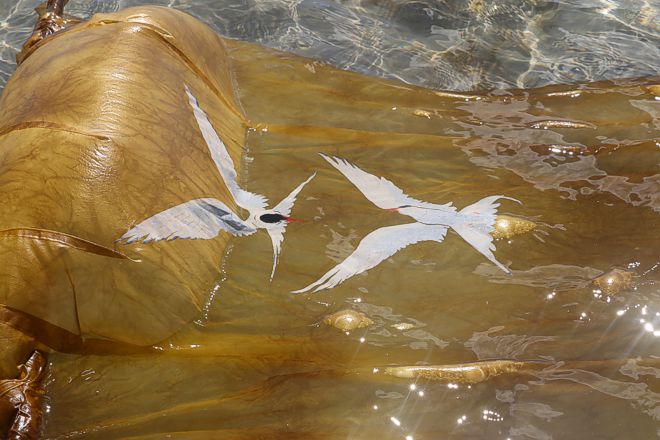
(259, 363)
(457, 45)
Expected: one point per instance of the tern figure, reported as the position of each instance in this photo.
(474, 223)
(205, 218)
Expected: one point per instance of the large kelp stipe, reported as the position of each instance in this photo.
(97, 134)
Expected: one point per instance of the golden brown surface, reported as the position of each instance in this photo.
(88, 155)
(107, 139)
(15, 347)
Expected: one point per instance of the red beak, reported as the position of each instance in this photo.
(291, 219)
(392, 209)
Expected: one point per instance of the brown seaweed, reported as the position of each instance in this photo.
(112, 174)
(64, 240)
(97, 148)
(51, 20)
(22, 399)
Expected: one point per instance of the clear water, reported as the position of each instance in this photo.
(455, 45)
(260, 364)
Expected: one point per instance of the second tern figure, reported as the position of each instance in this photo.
(474, 223)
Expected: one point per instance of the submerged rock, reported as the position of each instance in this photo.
(614, 281)
(348, 320)
(507, 226)
(422, 113)
(544, 125)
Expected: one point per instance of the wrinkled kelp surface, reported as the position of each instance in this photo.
(107, 139)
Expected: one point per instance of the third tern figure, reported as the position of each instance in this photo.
(205, 218)
(474, 223)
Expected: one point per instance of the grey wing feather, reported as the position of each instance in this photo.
(199, 218)
(377, 246)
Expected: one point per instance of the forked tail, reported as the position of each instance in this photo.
(477, 223)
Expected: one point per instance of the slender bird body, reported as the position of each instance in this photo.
(205, 218)
(473, 223)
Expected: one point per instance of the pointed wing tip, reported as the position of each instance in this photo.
(127, 239)
(330, 158)
(304, 290)
(309, 178)
(312, 288)
(510, 198)
(503, 268)
(145, 239)
(272, 273)
(337, 162)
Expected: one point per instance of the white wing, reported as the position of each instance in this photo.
(376, 247)
(285, 206)
(475, 224)
(276, 232)
(223, 161)
(276, 237)
(380, 191)
(199, 218)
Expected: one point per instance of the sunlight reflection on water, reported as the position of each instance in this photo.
(464, 45)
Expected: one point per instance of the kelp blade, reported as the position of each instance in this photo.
(258, 364)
